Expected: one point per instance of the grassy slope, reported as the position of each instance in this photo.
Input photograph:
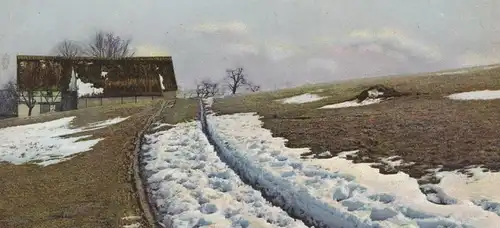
(90, 190)
(427, 129)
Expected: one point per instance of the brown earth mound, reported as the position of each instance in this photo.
(379, 91)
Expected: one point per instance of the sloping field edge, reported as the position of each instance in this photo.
(149, 212)
(298, 204)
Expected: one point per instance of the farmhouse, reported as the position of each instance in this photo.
(45, 80)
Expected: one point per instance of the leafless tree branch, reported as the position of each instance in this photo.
(235, 79)
(9, 99)
(5, 61)
(253, 87)
(68, 48)
(107, 44)
(207, 88)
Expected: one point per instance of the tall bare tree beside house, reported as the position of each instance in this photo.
(9, 99)
(52, 73)
(5, 61)
(29, 85)
(68, 48)
(107, 44)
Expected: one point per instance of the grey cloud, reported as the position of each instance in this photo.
(273, 40)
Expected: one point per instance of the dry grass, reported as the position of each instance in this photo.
(424, 128)
(87, 115)
(91, 190)
(184, 110)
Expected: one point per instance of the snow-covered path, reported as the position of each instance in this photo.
(327, 198)
(192, 187)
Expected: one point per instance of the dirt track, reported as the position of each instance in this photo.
(91, 190)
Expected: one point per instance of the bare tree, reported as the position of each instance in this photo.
(52, 76)
(235, 79)
(9, 99)
(207, 88)
(68, 48)
(107, 44)
(5, 61)
(253, 87)
(29, 85)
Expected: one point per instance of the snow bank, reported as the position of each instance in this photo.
(193, 187)
(353, 103)
(481, 188)
(43, 144)
(476, 95)
(300, 99)
(333, 192)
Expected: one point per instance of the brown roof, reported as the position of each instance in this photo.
(42, 57)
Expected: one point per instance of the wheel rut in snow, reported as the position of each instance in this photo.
(192, 187)
(275, 200)
(306, 192)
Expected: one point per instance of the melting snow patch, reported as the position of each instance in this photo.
(452, 72)
(300, 99)
(105, 123)
(476, 95)
(353, 103)
(336, 192)
(192, 187)
(133, 225)
(481, 186)
(43, 144)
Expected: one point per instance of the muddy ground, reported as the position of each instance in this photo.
(425, 129)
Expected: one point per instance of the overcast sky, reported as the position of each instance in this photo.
(278, 42)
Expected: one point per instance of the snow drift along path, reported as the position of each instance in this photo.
(322, 197)
(192, 187)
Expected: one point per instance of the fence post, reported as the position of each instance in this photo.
(101, 101)
(135, 98)
(121, 100)
(86, 102)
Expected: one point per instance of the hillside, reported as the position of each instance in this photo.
(73, 169)
(424, 128)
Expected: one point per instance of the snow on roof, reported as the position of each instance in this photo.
(476, 95)
(300, 99)
(87, 89)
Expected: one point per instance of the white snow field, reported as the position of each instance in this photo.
(300, 99)
(43, 144)
(353, 103)
(335, 192)
(192, 187)
(476, 95)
